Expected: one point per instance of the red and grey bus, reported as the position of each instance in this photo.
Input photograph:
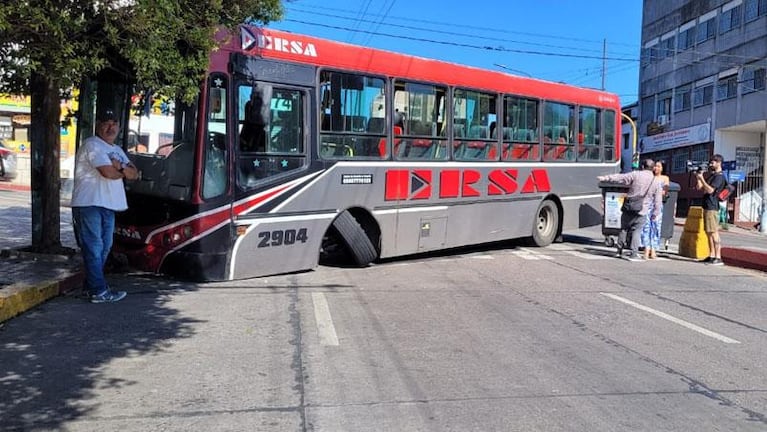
(300, 148)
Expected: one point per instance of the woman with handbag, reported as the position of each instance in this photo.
(645, 196)
(652, 227)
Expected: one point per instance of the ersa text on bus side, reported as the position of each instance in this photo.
(417, 184)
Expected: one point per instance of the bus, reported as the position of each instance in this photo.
(300, 149)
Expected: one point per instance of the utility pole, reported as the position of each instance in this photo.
(604, 62)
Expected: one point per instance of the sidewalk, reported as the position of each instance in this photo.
(741, 247)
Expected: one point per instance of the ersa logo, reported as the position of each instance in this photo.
(274, 43)
(418, 184)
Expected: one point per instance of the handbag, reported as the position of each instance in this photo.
(634, 204)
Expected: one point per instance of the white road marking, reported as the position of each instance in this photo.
(536, 254)
(525, 255)
(485, 257)
(325, 328)
(586, 256)
(674, 320)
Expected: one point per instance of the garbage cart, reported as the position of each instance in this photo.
(612, 198)
(669, 211)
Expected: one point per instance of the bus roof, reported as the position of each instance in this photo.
(275, 44)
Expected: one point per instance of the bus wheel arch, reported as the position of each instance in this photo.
(357, 231)
(547, 224)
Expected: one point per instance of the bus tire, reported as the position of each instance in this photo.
(353, 236)
(546, 223)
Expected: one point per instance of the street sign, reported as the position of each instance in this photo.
(735, 176)
(728, 165)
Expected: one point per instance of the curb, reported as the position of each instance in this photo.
(750, 258)
(15, 187)
(17, 299)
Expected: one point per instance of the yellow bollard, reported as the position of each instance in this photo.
(694, 243)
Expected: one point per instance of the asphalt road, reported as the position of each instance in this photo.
(565, 338)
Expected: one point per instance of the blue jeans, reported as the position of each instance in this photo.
(94, 229)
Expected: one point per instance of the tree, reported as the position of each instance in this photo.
(47, 47)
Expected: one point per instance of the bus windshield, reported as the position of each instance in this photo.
(160, 142)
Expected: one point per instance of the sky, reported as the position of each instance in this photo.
(555, 40)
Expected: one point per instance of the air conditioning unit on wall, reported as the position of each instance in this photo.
(662, 119)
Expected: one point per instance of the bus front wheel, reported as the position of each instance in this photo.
(353, 236)
(546, 223)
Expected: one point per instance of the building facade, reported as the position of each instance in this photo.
(702, 91)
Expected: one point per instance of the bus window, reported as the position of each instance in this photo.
(558, 126)
(474, 112)
(271, 136)
(422, 108)
(161, 143)
(214, 180)
(609, 143)
(520, 129)
(589, 133)
(352, 116)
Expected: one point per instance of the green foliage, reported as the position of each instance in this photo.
(162, 44)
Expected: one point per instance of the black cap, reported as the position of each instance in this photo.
(106, 115)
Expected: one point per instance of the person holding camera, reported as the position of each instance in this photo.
(711, 185)
(645, 196)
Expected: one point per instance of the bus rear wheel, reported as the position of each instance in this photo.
(356, 241)
(546, 224)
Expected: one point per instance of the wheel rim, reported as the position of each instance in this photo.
(545, 223)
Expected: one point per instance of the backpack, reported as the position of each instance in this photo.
(726, 191)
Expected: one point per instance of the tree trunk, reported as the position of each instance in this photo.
(45, 142)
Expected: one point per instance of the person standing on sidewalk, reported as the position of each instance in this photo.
(641, 184)
(711, 185)
(652, 226)
(98, 193)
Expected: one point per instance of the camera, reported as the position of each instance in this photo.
(696, 166)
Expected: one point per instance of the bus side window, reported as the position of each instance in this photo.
(214, 181)
(253, 133)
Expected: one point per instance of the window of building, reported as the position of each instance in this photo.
(663, 106)
(700, 153)
(682, 98)
(686, 39)
(668, 47)
(730, 19)
(753, 79)
(648, 108)
(702, 95)
(679, 162)
(706, 30)
(727, 88)
(755, 9)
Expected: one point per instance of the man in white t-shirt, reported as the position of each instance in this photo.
(100, 166)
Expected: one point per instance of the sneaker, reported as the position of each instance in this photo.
(716, 262)
(634, 257)
(108, 296)
(707, 260)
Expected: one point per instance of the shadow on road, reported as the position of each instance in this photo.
(54, 358)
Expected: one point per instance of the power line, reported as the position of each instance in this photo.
(503, 31)
(453, 33)
(463, 45)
